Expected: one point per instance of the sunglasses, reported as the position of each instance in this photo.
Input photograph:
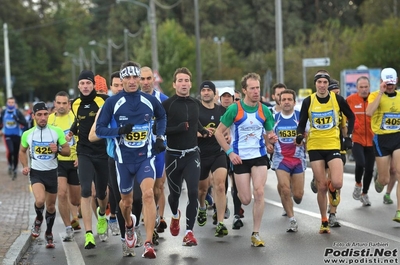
(237, 99)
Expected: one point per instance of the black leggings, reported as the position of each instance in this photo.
(178, 169)
(365, 159)
(12, 143)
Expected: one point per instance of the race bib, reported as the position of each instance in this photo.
(286, 135)
(11, 124)
(391, 121)
(138, 137)
(42, 151)
(323, 120)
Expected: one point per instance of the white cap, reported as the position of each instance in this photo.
(224, 90)
(389, 76)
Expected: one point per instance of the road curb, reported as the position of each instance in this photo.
(22, 243)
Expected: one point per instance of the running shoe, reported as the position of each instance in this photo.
(313, 186)
(334, 197)
(35, 232)
(89, 241)
(114, 227)
(189, 240)
(237, 222)
(293, 226)
(256, 241)
(130, 234)
(162, 226)
(49, 241)
(215, 221)
(378, 186)
(333, 222)
(357, 192)
(148, 251)
(10, 171)
(202, 217)
(102, 226)
(75, 224)
(155, 237)
(221, 230)
(174, 226)
(397, 216)
(365, 200)
(324, 229)
(387, 199)
(139, 238)
(14, 175)
(69, 234)
(127, 252)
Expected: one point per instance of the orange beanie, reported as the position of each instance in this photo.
(100, 84)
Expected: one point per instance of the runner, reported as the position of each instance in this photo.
(213, 160)
(130, 114)
(385, 122)
(44, 142)
(182, 158)
(323, 110)
(363, 151)
(249, 122)
(289, 159)
(69, 188)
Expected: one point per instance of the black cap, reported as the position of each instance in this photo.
(86, 74)
(208, 84)
(39, 106)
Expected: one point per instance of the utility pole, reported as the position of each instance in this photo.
(153, 25)
(279, 41)
(7, 61)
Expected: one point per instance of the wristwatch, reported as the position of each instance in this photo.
(59, 149)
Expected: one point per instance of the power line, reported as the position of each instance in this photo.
(165, 6)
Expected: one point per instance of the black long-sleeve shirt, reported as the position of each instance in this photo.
(344, 108)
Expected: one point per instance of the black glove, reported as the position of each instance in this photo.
(15, 117)
(299, 138)
(125, 129)
(74, 127)
(348, 143)
(159, 146)
(154, 128)
(204, 132)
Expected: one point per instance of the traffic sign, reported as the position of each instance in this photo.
(312, 62)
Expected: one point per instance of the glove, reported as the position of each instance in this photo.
(159, 146)
(299, 138)
(154, 129)
(348, 143)
(204, 132)
(74, 127)
(125, 129)
(15, 117)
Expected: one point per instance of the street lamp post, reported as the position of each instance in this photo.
(219, 42)
(198, 48)
(126, 35)
(110, 45)
(94, 59)
(73, 69)
(151, 17)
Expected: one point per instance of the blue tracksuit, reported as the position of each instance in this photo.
(135, 108)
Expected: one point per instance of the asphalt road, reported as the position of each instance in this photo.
(367, 236)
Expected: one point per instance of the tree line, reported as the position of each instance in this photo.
(351, 33)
